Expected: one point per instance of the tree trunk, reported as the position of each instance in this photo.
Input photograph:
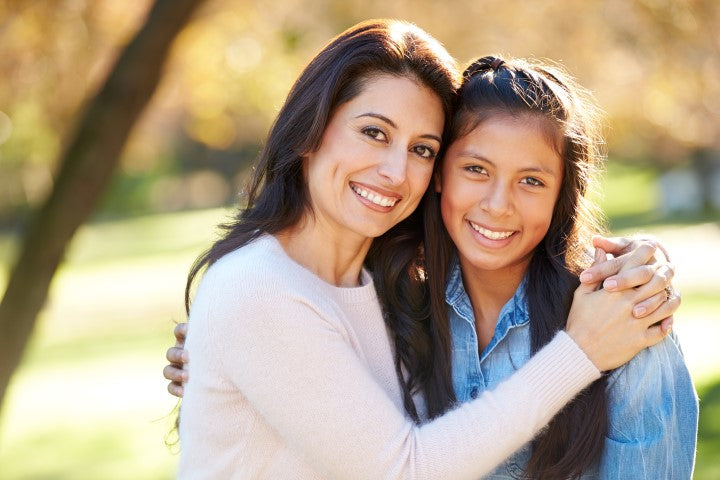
(85, 170)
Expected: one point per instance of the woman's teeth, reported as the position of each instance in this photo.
(374, 197)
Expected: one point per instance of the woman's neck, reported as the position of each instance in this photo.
(489, 291)
(336, 257)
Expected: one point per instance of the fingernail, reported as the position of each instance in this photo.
(609, 284)
(586, 277)
(185, 356)
(668, 324)
(185, 376)
(639, 311)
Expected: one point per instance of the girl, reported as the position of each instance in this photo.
(293, 373)
(511, 192)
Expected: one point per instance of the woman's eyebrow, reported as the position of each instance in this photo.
(379, 116)
(385, 119)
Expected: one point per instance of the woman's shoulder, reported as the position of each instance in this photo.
(255, 267)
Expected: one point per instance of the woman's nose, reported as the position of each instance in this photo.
(394, 167)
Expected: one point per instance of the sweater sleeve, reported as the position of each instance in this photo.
(298, 369)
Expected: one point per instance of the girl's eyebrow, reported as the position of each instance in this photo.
(547, 171)
(392, 124)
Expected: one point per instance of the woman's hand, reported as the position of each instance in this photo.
(177, 356)
(623, 250)
(604, 322)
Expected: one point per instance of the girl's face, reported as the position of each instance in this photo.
(499, 185)
(376, 157)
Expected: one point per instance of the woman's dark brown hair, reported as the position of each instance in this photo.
(574, 439)
(277, 195)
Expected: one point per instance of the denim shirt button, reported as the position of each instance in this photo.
(474, 392)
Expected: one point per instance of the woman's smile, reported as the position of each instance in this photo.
(375, 197)
(375, 159)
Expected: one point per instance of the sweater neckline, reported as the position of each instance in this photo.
(361, 293)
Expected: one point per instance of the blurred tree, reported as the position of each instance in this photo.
(653, 65)
(53, 56)
(85, 169)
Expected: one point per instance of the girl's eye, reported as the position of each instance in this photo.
(476, 169)
(425, 152)
(533, 182)
(374, 132)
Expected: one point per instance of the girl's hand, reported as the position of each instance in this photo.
(177, 356)
(602, 321)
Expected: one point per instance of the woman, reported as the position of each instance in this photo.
(293, 374)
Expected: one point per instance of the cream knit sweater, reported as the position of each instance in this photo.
(293, 378)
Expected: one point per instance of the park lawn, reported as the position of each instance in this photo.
(89, 400)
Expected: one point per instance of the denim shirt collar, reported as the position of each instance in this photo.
(513, 314)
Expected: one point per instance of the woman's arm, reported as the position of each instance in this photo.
(309, 385)
(299, 371)
(629, 267)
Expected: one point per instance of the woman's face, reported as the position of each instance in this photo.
(376, 157)
(499, 185)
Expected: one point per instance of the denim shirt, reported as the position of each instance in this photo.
(652, 404)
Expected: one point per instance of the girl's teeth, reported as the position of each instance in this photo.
(489, 233)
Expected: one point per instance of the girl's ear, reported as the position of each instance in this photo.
(438, 182)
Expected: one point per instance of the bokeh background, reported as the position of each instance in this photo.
(88, 400)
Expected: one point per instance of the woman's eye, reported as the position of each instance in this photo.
(424, 151)
(374, 132)
(533, 182)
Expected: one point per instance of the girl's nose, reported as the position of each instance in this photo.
(499, 201)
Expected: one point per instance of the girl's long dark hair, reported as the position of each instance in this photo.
(574, 439)
(278, 197)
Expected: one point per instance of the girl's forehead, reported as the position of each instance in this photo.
(548, 127)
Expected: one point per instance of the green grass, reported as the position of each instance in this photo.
(629, 196)
(89, 400)
(92, 407)
(628, 191)
(708, 457)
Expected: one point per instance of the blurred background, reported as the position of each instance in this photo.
(88, 399)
